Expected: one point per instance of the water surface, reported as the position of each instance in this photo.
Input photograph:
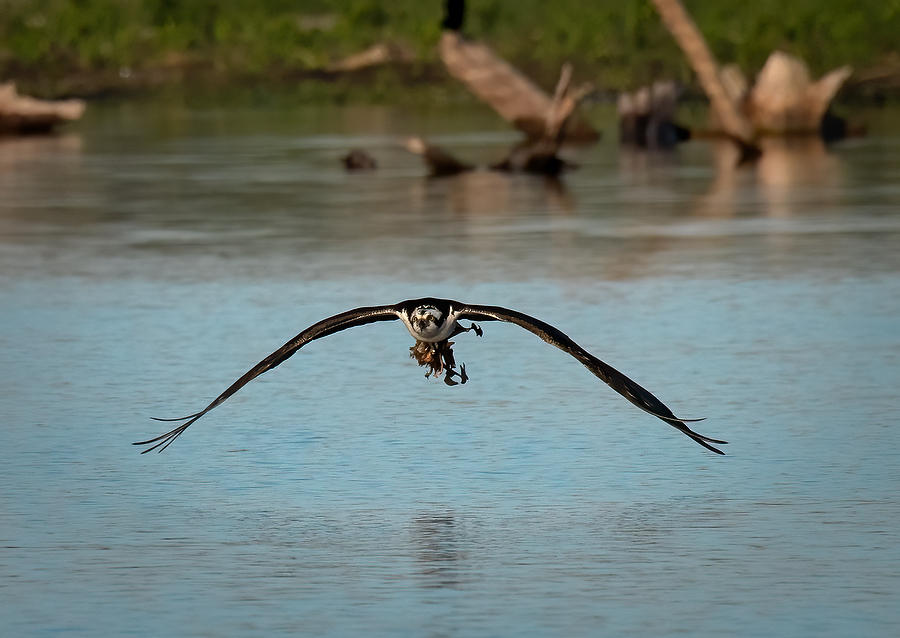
(154, 253)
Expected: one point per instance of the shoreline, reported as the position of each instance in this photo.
(414, 83)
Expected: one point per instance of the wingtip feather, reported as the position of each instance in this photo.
(180, 418)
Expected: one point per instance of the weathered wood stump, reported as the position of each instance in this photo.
(783, 101)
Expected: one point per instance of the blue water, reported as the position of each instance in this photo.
(156, 253)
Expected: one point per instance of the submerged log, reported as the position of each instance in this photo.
(359, 160)
(521, 159)
(20, 114)
(439, 161)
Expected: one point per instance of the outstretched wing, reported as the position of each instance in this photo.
(639, 396)
(342, 321)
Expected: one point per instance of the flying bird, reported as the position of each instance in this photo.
(432, 323)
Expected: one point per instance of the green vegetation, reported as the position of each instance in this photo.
(46, 43)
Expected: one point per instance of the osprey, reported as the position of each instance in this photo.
(433, 322)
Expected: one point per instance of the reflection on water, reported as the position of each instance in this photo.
(154, 254)
(487, 192)
(440, 549)
(788, 168)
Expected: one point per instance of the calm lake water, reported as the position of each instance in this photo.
(153, 253)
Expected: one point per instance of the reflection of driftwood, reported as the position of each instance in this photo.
(494, 81)
(375, 55)
(647, 117)
(786, 164)
(21, 114)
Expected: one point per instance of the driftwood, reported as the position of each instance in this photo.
(701, 59)
(20, 114)
(783, 101)
(494, 81)
(375, 55)
(538, 155)
(647, 117)
(542, 155)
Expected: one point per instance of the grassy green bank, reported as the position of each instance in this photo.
(76, 46)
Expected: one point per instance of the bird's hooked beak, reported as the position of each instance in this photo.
(424, 317)
(422, 321)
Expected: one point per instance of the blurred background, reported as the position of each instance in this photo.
(58, 47)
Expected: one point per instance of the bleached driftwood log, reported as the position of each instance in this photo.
(784, 99)
(20, 114)
(494, 81)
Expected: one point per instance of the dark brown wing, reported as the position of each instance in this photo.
(639, 396)
(342, 321)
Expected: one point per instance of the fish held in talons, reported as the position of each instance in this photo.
(438, 358)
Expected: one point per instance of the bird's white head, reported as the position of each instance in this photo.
(426, 323)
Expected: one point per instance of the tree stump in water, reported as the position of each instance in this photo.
(785, 100)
